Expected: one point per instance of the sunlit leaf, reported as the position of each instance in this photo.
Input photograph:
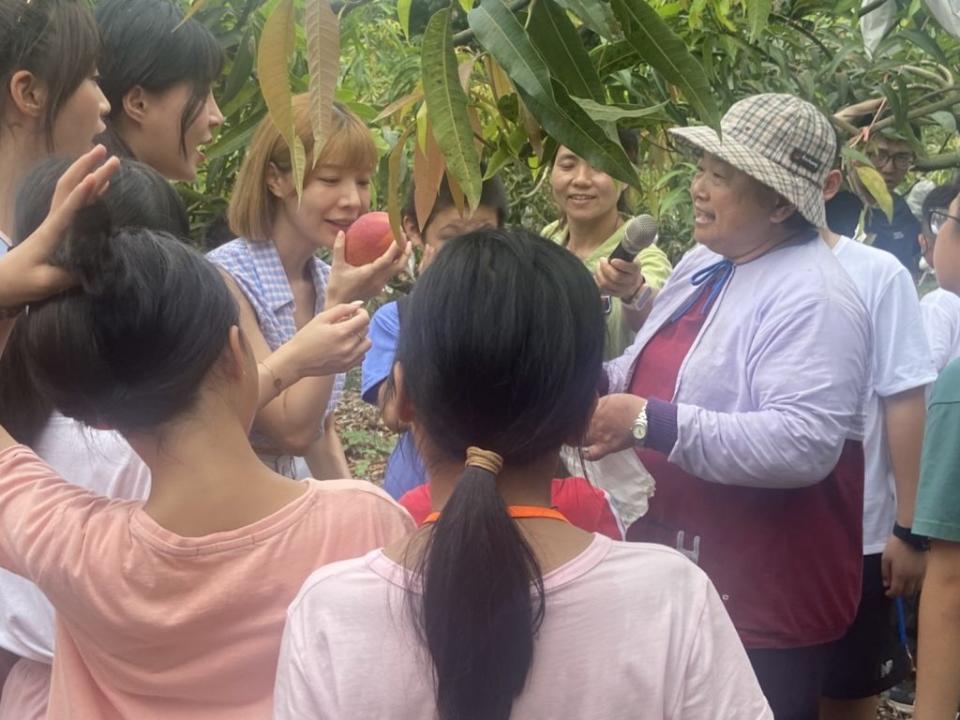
(877, 187)
(758, 13)
(195, 7)
(447, 104)
(403, 13)
(657, 44)
(401, 104)
(614, 113)
(276, 45)
(323, 61)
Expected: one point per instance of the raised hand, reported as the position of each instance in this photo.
(26, 274)
(348, 282)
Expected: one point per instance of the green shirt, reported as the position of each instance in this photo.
(654, 264)
(938, 499)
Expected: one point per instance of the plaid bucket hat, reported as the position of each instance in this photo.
(781, 141)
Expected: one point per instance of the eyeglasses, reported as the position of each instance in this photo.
(938, 218)
(901, 160)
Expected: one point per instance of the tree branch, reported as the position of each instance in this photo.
(948, 102)
(938, 162)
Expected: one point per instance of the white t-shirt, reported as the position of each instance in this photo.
(631, 631)
(941, 320)
(901, 361)
(98, 460)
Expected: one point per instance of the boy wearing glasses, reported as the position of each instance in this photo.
(938, 510)
(940, 307)
(893, 157)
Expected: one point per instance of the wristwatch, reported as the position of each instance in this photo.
(920, 543)
(639, 428)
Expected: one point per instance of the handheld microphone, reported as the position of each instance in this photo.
(639, 234)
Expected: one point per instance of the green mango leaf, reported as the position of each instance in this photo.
(758, 13)
(323, 62)
(466, 5)
(613, 57)
(403, 13)
(615, 113)
(849, 153)
(595, 14)
(273, 57)
(502, 35)
(877, 187)
(240, 70)
(560, 45)
(666, 53)
(570, 125)
(447, 105)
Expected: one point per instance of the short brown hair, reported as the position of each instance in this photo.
(252, 205)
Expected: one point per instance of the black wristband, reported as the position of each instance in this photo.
(920, 543)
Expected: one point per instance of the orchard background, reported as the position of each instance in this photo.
(474, 87)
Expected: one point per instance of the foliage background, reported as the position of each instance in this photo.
(811, 48)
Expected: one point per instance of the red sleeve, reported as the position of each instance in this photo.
(586, 506)
(417, 502)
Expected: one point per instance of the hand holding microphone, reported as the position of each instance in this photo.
(619, 275)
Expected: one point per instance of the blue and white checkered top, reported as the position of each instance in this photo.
(258, 270)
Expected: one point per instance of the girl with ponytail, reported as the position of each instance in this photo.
(500, 608)
(171, 608)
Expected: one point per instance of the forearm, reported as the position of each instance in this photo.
(634, 317)
(904, 415)
(326, 458)
(938, 670)
(770, 448)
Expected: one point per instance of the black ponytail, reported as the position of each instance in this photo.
(505, 337)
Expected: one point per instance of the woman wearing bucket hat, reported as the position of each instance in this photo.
(743, 395)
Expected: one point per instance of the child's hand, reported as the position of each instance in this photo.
(25, 273)
(348, 283)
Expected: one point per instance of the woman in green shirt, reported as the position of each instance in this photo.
(592, 221)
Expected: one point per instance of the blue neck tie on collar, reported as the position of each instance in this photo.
(711, 278)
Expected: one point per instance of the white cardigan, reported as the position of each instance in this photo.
(777, 377)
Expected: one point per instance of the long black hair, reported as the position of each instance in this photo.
(129, 347)
(146, 43)
(137, 197)
(56, 40)
(505, 332)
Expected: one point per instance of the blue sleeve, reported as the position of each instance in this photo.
(377, 363)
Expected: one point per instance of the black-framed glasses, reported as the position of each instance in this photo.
(938, 218)
(901, 160)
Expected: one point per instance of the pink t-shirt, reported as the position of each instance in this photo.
(631, 631)
(154, 625)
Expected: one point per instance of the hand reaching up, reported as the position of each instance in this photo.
(26, 274)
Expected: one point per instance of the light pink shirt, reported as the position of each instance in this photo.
(631, 631)
(154, 625)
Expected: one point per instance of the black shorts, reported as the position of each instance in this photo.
(870, 658)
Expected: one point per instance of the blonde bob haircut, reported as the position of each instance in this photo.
(252, 205)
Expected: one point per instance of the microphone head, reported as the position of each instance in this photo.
(640, 233)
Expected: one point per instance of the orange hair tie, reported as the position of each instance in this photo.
(484, 459)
